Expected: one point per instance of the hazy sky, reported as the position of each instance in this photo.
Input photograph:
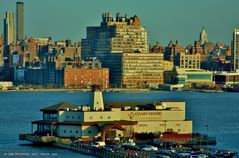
(165, 19)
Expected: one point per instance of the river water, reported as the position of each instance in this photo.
(220, 111)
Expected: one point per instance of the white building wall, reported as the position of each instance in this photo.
(94, 116)
(145, 115)
(5, 85)
(170, 115)
(69, 131)
(90, 131)
(70, 116)
(182, 127)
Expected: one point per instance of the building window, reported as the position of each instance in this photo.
(89, 132)
(76, 131)
(101, 117)
(72, 117)
(70, 131)
(90, 117)
(108, 117)
(78, 117)
(64, 131)
(67, 117)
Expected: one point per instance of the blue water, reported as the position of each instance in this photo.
(219, 111)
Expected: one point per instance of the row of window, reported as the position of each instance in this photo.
(72, 131)
(68, 117)
(76, 131)
(100, 117)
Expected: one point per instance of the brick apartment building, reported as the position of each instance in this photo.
(84, 77)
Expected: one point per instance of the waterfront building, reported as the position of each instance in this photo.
(142, 70)
(9, 28)
(47, 77)
(20, 20)
(35, 76)
(19, 75)
(226, 78)
(85, 77)
(194, 78)
(188, 61)
(203, 37)
(5, 85)
(104, 120)
(235, 48)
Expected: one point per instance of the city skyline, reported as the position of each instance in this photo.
(183, 22)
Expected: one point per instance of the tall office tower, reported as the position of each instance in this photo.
(20, 20)
(115, 35)
(9, 28)
(235, 48)
(203, 37)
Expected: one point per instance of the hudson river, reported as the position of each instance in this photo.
(220, 111)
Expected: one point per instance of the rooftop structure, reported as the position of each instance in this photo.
(203, 37)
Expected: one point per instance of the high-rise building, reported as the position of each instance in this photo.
(9, 28)
(115, 35)
(142, 70)
(20, 20)
(235, 48)
(203, 37)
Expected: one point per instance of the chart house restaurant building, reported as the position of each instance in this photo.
(111, 120)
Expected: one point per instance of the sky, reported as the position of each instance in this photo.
(165, 20)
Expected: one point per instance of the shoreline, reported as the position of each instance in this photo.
(78, 90)
(109, 90)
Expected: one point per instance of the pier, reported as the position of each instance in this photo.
(172, 151)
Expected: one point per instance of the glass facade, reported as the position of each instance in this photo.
(199, 77)
(183, 76)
